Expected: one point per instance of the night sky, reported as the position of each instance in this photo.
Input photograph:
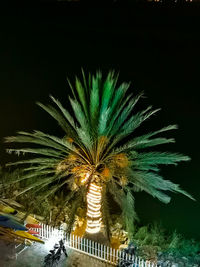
(156, 48)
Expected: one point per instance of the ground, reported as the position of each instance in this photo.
(34, 256)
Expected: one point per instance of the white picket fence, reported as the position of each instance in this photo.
(91, 248)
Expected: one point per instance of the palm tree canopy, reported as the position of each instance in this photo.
(98, 141)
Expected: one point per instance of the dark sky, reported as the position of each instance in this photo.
(157, 49)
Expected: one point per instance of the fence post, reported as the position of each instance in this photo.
(69, 241)
(111, 253)
(73, 241)
(81, 244)
(104, 252)
(101, 251)
(95, 248)
(120, 255)
(78, 242)
(83, 239)
(108, 254)
(123, 254)
(136, 260)
(47, 229)
(43, 230)
(129, 258)
(90, 246)
(139, 261)
(113, 258)
(98, 248)
(87, 245)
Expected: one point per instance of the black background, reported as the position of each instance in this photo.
(155, 47)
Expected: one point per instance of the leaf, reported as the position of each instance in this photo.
(40, 151)
(58, 117)
(67, 115)
(129, 213)
(154, 158)
(82, 96)
(94, 101)
(125, 113)
(152, 183)
(108, 89)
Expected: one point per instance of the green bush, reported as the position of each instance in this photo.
(153, 242)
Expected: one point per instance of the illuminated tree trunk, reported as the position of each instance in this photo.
(94, 217)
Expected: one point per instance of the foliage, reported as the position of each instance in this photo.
(155, 244)
(153, 238)
(52, 210)
(185, 248)
(153, 235)
(99, 145)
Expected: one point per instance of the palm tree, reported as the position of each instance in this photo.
(99, 155)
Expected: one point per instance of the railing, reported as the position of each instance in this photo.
(91, 248)
(19, 248)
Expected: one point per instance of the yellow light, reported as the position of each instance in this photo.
(94, 215)
(83, 180)
(93, 208)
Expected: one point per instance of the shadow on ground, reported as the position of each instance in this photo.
(34, 255)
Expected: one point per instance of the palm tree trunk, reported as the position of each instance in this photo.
(94, 216)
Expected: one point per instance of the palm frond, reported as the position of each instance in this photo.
(30, 175)
(84, 130)
(51, 191)
(115, 116)
(103, 122)
(39, 182)
(94, 101)
(154, 184)
(41, 139)
(136, 120)
(143, 141)
(107, 92)
(40, 161)
(118, 98)
(125, 113)
(77, 201)
(58, 117)
(129, 213)
(66, 114)
(79, 114)
(154, 158)
(116, 192)
(41, 151)
(82, 96)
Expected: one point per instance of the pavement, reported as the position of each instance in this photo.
(34, 255)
